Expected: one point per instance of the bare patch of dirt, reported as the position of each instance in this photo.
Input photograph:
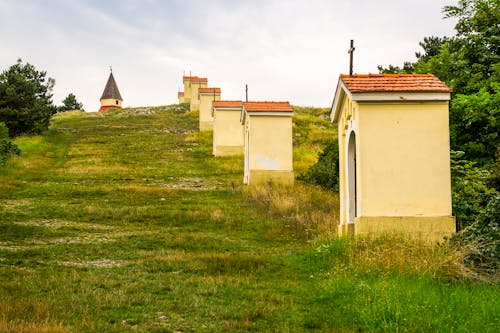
(58, 224)
(104, 263)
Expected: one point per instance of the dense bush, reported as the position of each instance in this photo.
(6, 147)
(471, 192)
(481, 240)
(325, 172)
(4, 131)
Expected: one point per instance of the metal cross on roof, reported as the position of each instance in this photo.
(351, 52)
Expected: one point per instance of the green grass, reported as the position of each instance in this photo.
(124, 221)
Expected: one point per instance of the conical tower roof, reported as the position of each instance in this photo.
(111, 89)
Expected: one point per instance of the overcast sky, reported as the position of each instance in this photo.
(284, 49)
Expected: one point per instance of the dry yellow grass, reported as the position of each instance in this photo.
(308, 210)
(391, 253)
(37, 316)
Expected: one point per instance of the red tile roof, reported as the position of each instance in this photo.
(200, 80)
(267, 107)
(227, 104)
(209, 90)
(180, 93)
(194, 79)
(394, 82)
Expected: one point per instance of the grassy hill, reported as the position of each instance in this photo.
(124, 221)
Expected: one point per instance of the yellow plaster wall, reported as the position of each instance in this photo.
(206, 120)
(228, 133)
(269, 148)
(111, 101)
(403, 160)
(194, 96)
(187, 91)
(181, 99)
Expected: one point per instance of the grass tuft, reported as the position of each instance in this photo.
(308, 211)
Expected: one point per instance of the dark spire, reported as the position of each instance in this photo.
(111, 89)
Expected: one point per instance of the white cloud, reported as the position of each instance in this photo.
(284, 49)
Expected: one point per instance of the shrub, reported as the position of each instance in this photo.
(4, 131)
(7, 148)
(470, 189)
(481, 240)
(325, 172)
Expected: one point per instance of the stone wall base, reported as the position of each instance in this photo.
(428, 228)
(273, 176)
(227, 150)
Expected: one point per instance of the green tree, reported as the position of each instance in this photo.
(470, 60)
(474, 124)
(70, 103)
(406, 69)
(432, 46)
(25, 99)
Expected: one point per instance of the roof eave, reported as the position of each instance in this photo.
(340, 94)
(270, 113)
(227, 108)
(243, 115)
(401, 96)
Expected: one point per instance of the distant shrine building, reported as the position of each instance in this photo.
(111, 98)
(268, 143)
(206, 97)
(228, 130)
(394, 155)
(191, 86)
(180, 97)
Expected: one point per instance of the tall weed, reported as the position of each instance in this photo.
(309, 212)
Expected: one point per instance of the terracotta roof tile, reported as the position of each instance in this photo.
(227, 104)
(267, 107)
(180, 93)
(394, 82)
(194, 79)
(200, 80)
(209, 90)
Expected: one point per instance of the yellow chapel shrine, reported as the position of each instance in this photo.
(180, 97)
(394, 155)
(111, 98)
(191, 86)
(228, 130)
(206, 97)
(268, 144)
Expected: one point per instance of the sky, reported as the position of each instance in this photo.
(285, 50)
